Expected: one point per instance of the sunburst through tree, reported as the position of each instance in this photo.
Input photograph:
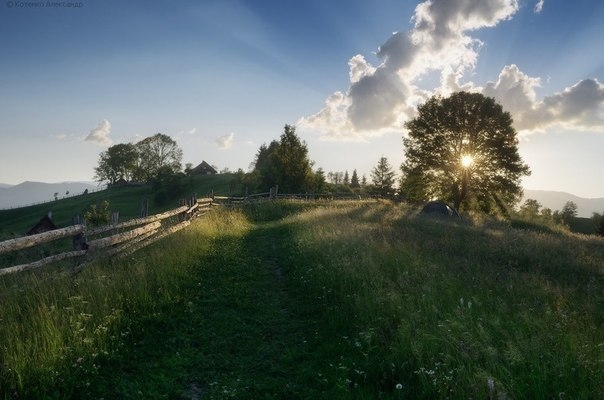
(462, 149)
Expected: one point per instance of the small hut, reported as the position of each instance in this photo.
(204, 169)
(45, 224)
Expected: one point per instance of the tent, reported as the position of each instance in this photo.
(439, 208)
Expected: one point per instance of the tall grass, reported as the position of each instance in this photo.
(325, 300)
(416, 307)
(58, 329)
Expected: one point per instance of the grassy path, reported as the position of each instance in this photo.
(234, 333)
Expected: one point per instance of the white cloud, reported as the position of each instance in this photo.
(515, 91)
(580, 106)
(100, 134)
(381, 98)
(191, 131)
(226, 141)
(60, 136)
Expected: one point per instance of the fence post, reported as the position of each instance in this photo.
(79, 240)
(114, 217)
(145, 208)
(182, 216)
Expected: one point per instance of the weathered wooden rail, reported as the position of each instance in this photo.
(146, 230)
(121, 239)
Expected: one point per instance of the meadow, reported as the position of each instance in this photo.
(333, 300)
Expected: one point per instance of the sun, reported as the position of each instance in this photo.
(467, 160)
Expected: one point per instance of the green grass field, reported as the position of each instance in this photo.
(316, 300)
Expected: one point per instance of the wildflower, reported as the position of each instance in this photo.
(398, 386)
(491, 386)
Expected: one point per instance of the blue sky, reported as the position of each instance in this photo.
(222, 77)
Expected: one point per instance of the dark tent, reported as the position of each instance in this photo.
(439, 208)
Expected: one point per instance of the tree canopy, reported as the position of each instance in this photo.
(463, 149)
(142, 161)
(158, 152)
(285, 163)
(118, 162)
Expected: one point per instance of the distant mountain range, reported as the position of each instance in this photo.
(27, 193)
(556, 200)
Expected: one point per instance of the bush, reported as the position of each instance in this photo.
(97, 214)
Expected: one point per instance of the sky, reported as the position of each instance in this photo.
(222, 77)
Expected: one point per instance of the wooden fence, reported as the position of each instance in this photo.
(115, 238)
(274, 194)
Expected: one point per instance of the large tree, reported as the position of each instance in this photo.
(382, 177)
(463, 149)
(155, 153)
(117, 162)
(284, 163)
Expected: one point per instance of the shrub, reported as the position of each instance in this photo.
(97, 214)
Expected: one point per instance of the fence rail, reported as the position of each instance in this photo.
(146, 230)
(121, 239)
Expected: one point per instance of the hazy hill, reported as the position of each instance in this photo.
(556, 200)
(27, 193)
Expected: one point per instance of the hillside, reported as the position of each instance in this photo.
(335, 300)
(127, 200)
(556, 200)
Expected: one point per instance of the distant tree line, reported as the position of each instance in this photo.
(532, 210)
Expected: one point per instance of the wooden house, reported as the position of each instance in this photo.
(204, 169)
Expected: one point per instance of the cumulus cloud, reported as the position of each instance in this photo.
(380, 98)
(225, 141)
(100, 134)
(515, 91)
(580, 106)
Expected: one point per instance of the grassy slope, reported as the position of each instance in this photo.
(338, 301)
(127, 200)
